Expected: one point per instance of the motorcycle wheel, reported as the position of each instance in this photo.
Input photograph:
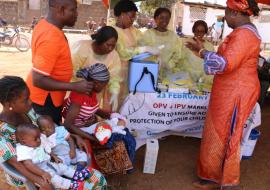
(22, 44)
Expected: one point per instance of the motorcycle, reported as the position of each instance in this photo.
(13, 36)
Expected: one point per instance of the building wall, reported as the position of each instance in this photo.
(210, 18)
(263, 25)
(96, 10)
(15, 12)
(34, 4)
(23, 11)
(8, 11)
(177, 15)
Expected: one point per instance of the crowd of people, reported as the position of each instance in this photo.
(43, 135)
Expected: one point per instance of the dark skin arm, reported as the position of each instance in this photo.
(47, 83)
(36, 170)
(197, 47)
(55, 158)
(72, 152)
(70, 119)
(103, 114)
(80, 142)
(29, 175)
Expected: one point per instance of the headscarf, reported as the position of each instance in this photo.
(97, 72)
(240, 5)
(267, 2)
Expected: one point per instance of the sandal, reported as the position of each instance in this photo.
(206, 185)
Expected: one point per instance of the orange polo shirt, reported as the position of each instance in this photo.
(50, 57)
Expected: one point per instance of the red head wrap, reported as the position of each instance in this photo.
(267, 2)
(239, 5)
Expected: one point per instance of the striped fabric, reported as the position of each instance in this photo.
(7, 149)
(7, 145)
(89, 106)
(97, 72)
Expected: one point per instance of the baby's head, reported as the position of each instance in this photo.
(118, 119)
(121, 122)
(28, 135)
(46, 125)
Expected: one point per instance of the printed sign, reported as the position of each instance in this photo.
(153, 115)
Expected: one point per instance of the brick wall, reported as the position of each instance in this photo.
(14, 12)
(96, 10)
(44, 6)
(8, 11)
(22, 11)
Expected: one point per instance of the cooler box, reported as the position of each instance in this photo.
(143, 75)
(248, 148)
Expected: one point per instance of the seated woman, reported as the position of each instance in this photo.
(16, 111)
(80, 110)
(101, 49)
(168, 41)
(194, 64)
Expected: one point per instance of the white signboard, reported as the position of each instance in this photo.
(153, 115)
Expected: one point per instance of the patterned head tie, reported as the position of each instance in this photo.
(97, 72)
(240, 5)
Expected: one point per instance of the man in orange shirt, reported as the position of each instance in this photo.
(51, 73)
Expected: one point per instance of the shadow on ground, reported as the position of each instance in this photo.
(176, 167)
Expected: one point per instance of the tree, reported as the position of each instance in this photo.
(148, 7)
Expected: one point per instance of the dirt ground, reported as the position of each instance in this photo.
(176, 166)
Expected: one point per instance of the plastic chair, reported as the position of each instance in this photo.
(14, 173)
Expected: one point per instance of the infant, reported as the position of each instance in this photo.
(62, 146)
(104, 129)
(31, 152)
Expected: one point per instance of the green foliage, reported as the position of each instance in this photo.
(148, 7)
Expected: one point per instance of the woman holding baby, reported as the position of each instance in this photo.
(17, 110)
(80, 111)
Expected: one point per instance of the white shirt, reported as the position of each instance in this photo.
(37, 154)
